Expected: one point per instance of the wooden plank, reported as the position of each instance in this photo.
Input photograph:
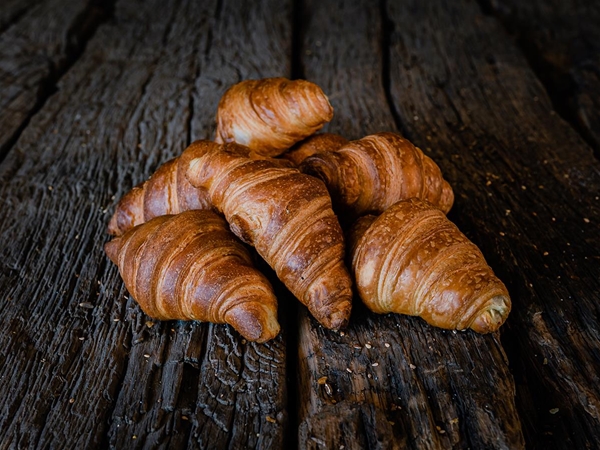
(12, 10)
(528, 192)
(561, 39)
(81, 366)
(40, 41)
(391, 381)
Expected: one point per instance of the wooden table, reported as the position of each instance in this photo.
(503, 94)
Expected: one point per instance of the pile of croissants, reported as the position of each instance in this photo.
(313, 206)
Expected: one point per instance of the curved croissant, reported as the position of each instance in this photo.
(272, 114)
(413, 260)
(287, 216)
(167, 191)
(373, 173)
(317, 143)
(190, 267)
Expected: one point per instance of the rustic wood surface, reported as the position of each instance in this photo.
(561, 39)
(38, 43)
(528, 193)
(104, 92)
(81, 366)
(392, 374)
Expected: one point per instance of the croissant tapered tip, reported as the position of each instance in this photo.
(253, 322)
(129, 212)
(113, 227)
(112, 248)
(337, 320)
(493, 316)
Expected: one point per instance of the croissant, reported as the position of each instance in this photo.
(272, 114)
(286, 216)
(190, 267)
(413, 260)
(317, 143)
(373, 173)
(167, 191)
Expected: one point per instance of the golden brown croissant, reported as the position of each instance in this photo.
(317, 143)
(373, 173)
(191, 267)
(272, 114)
(287, 217)
(167, 191)
(413, 260)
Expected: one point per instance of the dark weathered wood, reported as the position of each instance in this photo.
(12, 10)
(40, 42)
(81, 366)
(562, 41)
(528, 193)
(389, 380)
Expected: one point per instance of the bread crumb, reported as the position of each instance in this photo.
(553, 411)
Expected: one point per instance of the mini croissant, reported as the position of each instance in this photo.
(272, 114)
(373, 173)
(287, 216)
(413, 260)
(167, 191)
(190, 267)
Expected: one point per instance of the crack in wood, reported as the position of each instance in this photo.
(79, 32)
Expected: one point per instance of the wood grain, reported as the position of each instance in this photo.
(393, 377)
(83, 367)
(561, 39)
(93, 100)
(40, 40)
(528, 193)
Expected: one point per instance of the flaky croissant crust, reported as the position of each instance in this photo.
(413, 260)
(287, 217)
(191, 267)
(317, 143)
(272, 114)
(167, 191)
(371, 174)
